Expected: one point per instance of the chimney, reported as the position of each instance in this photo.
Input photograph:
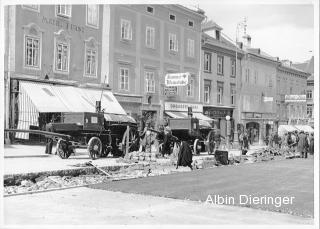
(247, 40)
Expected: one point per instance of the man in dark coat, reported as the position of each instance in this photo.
(311, 147)
(302, 145)
(211, 141)
(185, 155)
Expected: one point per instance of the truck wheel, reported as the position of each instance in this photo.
(94, 147)
(196, 147)
(62, 149)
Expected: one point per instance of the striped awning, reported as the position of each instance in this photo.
(35, 98)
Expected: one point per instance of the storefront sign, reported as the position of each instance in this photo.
(295, 98)
(170, 91)
(177, 79)
(172, 106)
(214, 112)
(128, 99)
(62, 24)
(267, 99)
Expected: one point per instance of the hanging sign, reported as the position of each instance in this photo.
(177, 79)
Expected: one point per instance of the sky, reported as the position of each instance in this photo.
(281, 30)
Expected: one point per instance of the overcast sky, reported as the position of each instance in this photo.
(284, 31)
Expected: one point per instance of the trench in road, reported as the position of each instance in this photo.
(274, 178)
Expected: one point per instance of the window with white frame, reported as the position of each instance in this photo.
(91, 62)
(32, 7)
(62, 57)
(126, 30)
(190, 51)
(220, 93)
(190, 88)
(93, 15)
(64, 10)
(207, 62)
(309, 94)
(150, 82)
(150, 35)
(247, 75)
(173, 42)
(124, 79)
(220, 65)
(233, 67)
(233, 94)
(32, 52)
(207, 93)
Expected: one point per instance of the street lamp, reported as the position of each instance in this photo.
(228, 130)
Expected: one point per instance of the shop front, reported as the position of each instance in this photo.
(220, 114)
(131, 104)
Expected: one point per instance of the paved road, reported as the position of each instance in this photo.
(292, 178)
(85, 206)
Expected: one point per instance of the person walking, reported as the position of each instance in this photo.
(166, 149)
(245, 147)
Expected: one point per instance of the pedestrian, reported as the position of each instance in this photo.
(302, 145)
(245, 147)
(217, 139)
(311, 147)
(166, 147)
(185, 155)
(276, 140)
(241, 140)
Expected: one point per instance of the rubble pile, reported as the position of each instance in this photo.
(141, 156)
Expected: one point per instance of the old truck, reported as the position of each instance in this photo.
(188, 129)
(92, 131)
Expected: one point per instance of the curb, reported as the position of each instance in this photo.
(26, 156)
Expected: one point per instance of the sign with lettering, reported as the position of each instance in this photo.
(177, 79)
(267, 99)
(130, 99)
(62, 24)
(215, 112)
(170, 91)
(295, 98)
(172, 106)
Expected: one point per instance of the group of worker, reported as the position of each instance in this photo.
(301, 142)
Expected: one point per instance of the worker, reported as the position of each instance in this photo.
(185, 155)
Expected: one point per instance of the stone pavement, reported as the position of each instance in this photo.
(22, 159)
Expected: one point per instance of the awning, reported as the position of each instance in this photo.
(176, 114)
(35, 98)
(204, 121)
(119, 118)
(304, 128)
(285, 129)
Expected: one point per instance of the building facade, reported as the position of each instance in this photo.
(143, 43)
(53, 44)
(291, 100)
(219, 73)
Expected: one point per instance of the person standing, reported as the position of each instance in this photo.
(311, 147)
(166, 149)
(185, 155)
(245, 147)
(302, 145)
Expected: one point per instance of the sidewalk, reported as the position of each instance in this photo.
(24, 159)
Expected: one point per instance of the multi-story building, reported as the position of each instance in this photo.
(257, 93)
(143, 43)
(291, 99)
(219, 73)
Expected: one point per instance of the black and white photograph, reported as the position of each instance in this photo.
(159, 114)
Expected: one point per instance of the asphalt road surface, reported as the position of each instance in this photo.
(288, 183)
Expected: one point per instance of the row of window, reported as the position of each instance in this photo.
(126, 34)
(220, 91)
(92, 12)
(220, 64)
(32, 56)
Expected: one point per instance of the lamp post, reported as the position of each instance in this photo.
(228, 130)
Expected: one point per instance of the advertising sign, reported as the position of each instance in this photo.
(172, 106)
(295, 98)
(170, 91)
(177, 79)
(267, 99)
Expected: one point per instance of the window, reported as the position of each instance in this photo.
(126, 31)
(124, 79)
(93, 15)
(32, 7)
(62, 57)
(190, 51)
(219, 93)
(309, 110)
(172, 17)
(150, 34)
(255, 77)
(64, 10)
(173, 43)
(150, 9)
(150, 82)
(32, 52)
(291, 90)
(220, 65)
(270, 81)
(91, 62)
(247, 75)
(233, 67)
(309, 94)
(190, 23)
(218, 35)
(207, 62)
(233, 94)
(190, 88)
(207, 93)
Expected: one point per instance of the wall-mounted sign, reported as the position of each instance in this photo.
(215, 112)
(62, 24)
(174, 106)
(177, 79)
(170, 91)
(295, 98)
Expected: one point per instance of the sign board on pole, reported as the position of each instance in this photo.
(177, 79)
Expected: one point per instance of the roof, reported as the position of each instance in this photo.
(209, 25)
(307, 66)
(223, 42)
(259, 52)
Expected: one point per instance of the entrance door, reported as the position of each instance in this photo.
(253, 131)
